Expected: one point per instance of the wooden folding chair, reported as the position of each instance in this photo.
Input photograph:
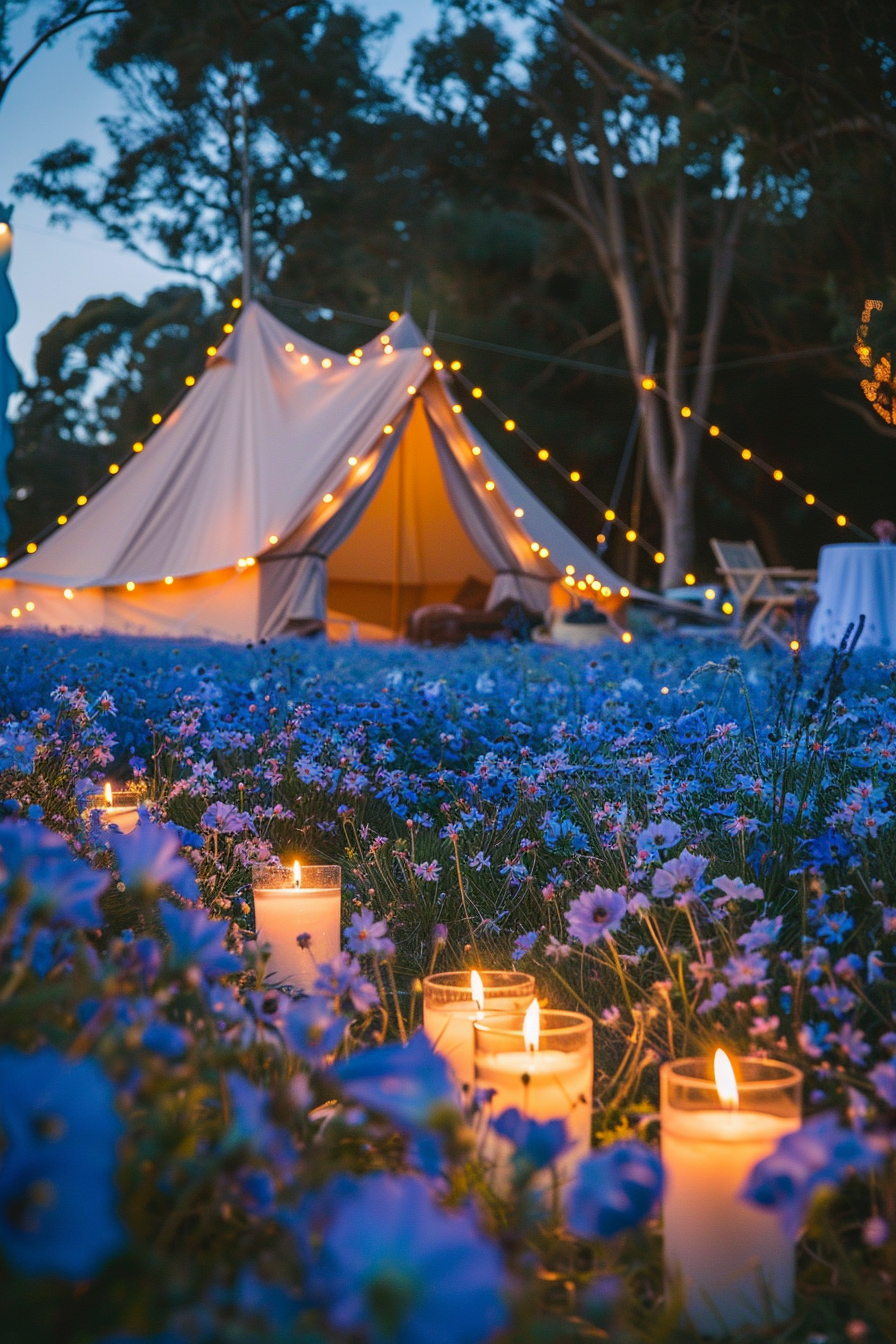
(761, 595)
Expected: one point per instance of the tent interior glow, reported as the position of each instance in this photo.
(295, 487)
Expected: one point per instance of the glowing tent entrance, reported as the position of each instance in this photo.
(294, 486)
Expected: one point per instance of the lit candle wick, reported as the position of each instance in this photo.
(531, 1027)
(726, 1083)
(297, 874)
(477, 990)
(107, 793)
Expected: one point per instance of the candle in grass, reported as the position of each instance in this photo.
(454, 1000)
(298, 915)
(542, 1063)
(117, 807)
(729, 1259)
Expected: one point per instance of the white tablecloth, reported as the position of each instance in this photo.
(857, 579)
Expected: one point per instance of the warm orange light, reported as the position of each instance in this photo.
(659, 557)
(67, 592)
(393, 316)
(532, 1026)
(778, 475)
(387, 349)
(250, 560)
(510, 425)
(213, 350)
(328, 498)
(726, 1083)
(728, 608)
(570, 569)
(610, 514)
(353, 461)
(794, 646)
(288, 347)
(189, 380)
(412, 391)
(228, 328)
(31, 547)
(82, 499)
(746, 454)
(476, 450)
(648, 384)
(690, 579)
(624, 592)
(169, 579)
(570, 580)
(626, 637)
(138, 447)
(714, 431)
(157, 419)
(387, 429)
(273, 539)
(62, 520)
(709, 594)
(326, 363)
(29, 606)
(544, 552)
(477, 990)
(581, 585)
(438, 365)
(519, 513)
(358, 352)
(354, 359)
(16, 612)
(107, 793)
(456, 365)
(810, 499)
(489, 485)
(631, 535)
(297, 874)
(457, 408)
(543, 454)
(305, 359)
(686, 412)
(477, 392)
(236, 303)
(575, 476)
(841, 519)
(113, 470)
(130, 585)
(427, 350)
(535, 545)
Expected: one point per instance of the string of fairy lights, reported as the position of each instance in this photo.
(572, 476)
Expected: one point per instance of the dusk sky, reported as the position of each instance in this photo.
(58, 98)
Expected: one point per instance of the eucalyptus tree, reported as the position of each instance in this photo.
(661, 132)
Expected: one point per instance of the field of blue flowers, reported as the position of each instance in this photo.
(691, 847)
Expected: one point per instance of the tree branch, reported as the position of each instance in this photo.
(85, 12)
(864, 413)
(662, 83)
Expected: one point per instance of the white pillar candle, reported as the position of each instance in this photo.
(118, 807)
(292, 901)
(543, 1064)
(452, 1001)
(730, 1259)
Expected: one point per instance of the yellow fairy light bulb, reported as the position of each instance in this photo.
(489, 485)
(728, 608)
(358, 352)
(354, 359)
(456, 365)
(113, 470)
(427, 350)
(726, 1083)
(250, 560)
(535, 545)
(387, 350)
(626, 637)
(31, 547)
(476, 450)
(714, 431)
(510, 426)
(690, 579)
(3, 562)
(457, 408)
(130, 585)
(570, 580)
(686, 412)
(241, 564)
(648, 384)
(605, 591)
(67, 592)
(581, 585)
(544, 552)
(15, 612)
(328, 498)
(387, 429)
(795, 646)
(438, 365)
(477, 990)
(228, 328)
(384, 339)
(157, 419)
(609, 514)
(236, 303)
(29, 606)
(601, 538)
(289, 347)
(575, 476)
(631, 535)
(659, 557)
(326, 363)
(189, 380)
(305, 359)
(543, 454)
(273, 539)
(570, 569)
(589, 578)
(531, 1027)
(746, 454)
(412, 391)
(709, 594)
(477, 392)
(138, 447)
(519, 513)
(213, 350)
(82, 499)
(62, 520)
(810, 500)
(169, 579)
(841, 519)
(353, 461)
(393, 316)
(624, 592)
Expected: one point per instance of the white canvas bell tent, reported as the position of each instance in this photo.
(295, 485)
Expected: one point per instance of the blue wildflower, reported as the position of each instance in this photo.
(150, 857)
(164, 1038)
(537, 1143)
(394, 1268)
(226, 819)
(409, 1083)
(17, 748)
(681, 877)
(615, 1189)
(736, 889)
(366, 933)
(41, 873)
(596, 914)
(197, 940)
(312, 1029)
(883, 1076)
(524, 943)
(57, 1169)
(818, 1155)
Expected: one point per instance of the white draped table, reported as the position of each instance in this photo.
(856, 579)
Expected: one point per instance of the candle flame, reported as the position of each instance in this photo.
(107, 793)
(477, 990)
(297, 874)
(532, 1026)
(726, 1083)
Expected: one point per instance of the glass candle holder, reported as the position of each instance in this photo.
(553, 1081)
(117, 807)
(453, 1000)
(298, 913)
(730, 1259)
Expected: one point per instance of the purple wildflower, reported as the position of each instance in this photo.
(596, 914)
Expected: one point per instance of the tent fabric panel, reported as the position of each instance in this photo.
(410, 534)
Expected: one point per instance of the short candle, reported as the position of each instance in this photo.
(543, 1064)
(117, 807)
(291, 901)
(730, 1259)
(452, 1002)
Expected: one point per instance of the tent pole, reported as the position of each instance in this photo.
(397, 542)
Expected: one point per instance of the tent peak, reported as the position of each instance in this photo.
(405, 334)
